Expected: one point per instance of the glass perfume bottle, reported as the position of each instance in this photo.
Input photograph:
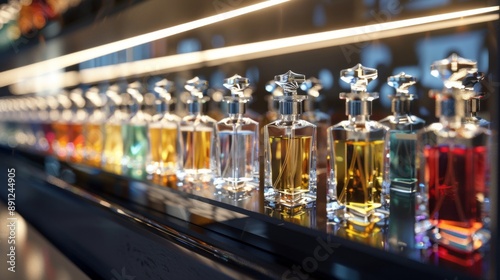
(400, 183)
(136, 154)
(164, 134)
(112, 153)
(356, 150)
(61, 127)
(199, 133)
(290, 151)
(93, 129)
(454, 165)
(76, 138)
(239, 144)
(322, 120)
(472, 105)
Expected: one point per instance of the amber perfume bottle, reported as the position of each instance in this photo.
(61, 127)
(199, 133)
(164, 134)
(93, 129)
(113, 151)
(136, 153)
(290, 151)
(400, 184)
(322, 120)
(239, 144)
(454, 165)
(357, 155)
(76, 136)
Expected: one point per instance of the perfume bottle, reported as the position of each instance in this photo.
(113, 151)
(356, 151)
(239, 144)
(454, 166)
(93, 129)
(61, 127)
(199, 133)
(472, 105)
(76, 138)
(164, 134)
(400, 183)
(290, 151)
(322, 120)
(136, 154)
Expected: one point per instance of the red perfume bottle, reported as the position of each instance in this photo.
(454, 166)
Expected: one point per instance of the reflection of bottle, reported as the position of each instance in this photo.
(322, 120)
(44, 135)
(290, 150)
(239, 143)
(356, 153)
(94, 128)
(164, 133)
(400, 183)
(113, 141)
(199, 133)
(454, 165)
(135, 133)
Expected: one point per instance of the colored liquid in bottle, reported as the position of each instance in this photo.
(76, 143)
(197, 150)
(136, 150)
(94, 144)
(113, 148)
(359, 175)
(402, 155)
(456, 192)
(290, 166)
(62, 136)
(164, 148)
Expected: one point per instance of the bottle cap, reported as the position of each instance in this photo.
(455, 72)
(358, 101)
(401, 101)
(290, 103)
(236, 102)
(196, 87)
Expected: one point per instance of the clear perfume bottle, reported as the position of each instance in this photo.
(454, 165)
(164, 134)
(113, 151)
(357, 154)
(239, 143)
(199, 133)
(136, 154)
(289, 150)
(93, 129)
(400, 184)
(322, 120)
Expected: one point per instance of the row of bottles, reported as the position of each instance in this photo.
(395, 171)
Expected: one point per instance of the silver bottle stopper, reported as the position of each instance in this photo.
(472, 105)
(290, 103)
(236, 102)
(401, 101)
(164, 88)
(196, 87)
(358, 101)
(453, 71)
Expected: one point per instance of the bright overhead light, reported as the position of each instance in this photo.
(279, 46)
(288, 45)
(25, 72)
